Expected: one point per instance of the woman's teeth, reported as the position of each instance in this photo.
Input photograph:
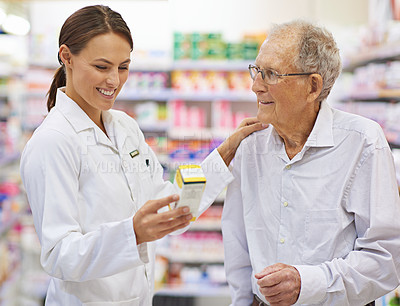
(106, 92)
(266, 102)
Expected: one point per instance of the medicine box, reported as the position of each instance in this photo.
(190, 182)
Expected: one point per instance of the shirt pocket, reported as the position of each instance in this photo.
(131, 302)
(324, 237)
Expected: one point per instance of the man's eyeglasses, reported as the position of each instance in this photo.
(270, 76)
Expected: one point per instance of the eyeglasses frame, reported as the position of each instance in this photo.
(277, 74)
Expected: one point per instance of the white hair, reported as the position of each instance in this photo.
(317, 51)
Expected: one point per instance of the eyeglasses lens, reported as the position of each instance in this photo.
(268, 75)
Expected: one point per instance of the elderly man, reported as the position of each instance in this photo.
(313, 214)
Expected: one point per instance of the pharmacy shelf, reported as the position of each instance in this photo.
(190, 258)
(384, 95)
(374, 55)
(233, 96)
(9, 159)
(128, 94)
(194, 290)
(156, 127)
(185, 133)
(212, 65)
(170, 94)
(205, 226)
(3, 92)
(7, 225)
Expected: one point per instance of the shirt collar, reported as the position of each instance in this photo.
(72, 112)
(322, 133)
(79, 120)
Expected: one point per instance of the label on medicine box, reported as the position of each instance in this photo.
(190, 181)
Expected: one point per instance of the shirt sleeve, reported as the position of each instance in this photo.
(237, 261)
(218, 176)
(373, 268)
(50, 168)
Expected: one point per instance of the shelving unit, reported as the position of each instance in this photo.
(187, 262)
(378, 54)
(376, 83)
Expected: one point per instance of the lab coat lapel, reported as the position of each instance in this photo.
(131, 159)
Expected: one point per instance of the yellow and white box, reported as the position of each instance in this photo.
(190, 181)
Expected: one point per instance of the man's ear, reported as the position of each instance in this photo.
(315, 86)
(65, 55)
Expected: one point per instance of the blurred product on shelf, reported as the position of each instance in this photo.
(150, 114)
(194, 258)
(37, 81)
(199, 46)
(222, 117)
(147, 81)
(194, 81)
(194, 248)
(183, 116)
(22, 279)
(392, 299)
(210, 220)
(376, 76)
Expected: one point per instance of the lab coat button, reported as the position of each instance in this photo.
(288, 167)
(285, 204)
(282, 241)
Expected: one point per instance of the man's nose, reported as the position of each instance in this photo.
(259, 84)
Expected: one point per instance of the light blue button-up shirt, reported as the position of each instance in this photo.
(333, 212)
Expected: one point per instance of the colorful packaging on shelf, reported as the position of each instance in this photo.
(190, 181)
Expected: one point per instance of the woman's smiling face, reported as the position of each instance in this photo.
(98, 72)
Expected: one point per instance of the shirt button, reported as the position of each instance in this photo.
(288, 167)
(282, 241)
(285, 204)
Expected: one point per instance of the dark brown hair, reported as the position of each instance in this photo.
(78, 30)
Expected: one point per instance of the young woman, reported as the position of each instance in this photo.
(94, 186)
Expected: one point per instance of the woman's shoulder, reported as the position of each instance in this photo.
(54, 131)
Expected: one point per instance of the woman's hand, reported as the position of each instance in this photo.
(150, 225)
(228, 148)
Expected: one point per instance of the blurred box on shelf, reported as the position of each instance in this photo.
(212, 46)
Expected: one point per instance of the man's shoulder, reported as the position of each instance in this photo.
(257, 141)
(366, 128)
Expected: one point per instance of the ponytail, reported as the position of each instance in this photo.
(59, 80)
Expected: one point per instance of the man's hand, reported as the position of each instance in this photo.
(280, 284)
(228, 148)
(149, 225)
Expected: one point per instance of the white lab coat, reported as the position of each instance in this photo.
(83, 189)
